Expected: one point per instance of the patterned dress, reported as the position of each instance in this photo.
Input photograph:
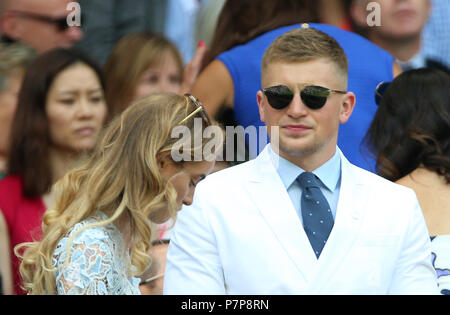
(98, 262)
(440, 253)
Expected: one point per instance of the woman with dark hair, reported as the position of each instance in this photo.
(410, 135)
(242, 20)
(60, 113)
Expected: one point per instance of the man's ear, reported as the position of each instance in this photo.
(260, 101)
(347, 107)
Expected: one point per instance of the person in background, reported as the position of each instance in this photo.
(206, 21)
(410, 135)
(153, 279)
(141, 64)
(97, 235)
(436, 34)
(240, 21)
(106, 22)
(180, 20)
(39, 24)
(14, 60)
(400, 30)
(334, 12)
(60, 113)
(145, 63)
(277, 227)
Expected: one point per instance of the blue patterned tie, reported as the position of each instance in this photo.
(316, 212)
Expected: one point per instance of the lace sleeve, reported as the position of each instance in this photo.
(89, 269)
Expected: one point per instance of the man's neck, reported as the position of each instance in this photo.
(308, 162)
(402, 50)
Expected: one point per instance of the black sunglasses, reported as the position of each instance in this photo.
(313, 96)
(380, 90)
(60, 22)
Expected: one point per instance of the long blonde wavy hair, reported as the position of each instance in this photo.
(121, 178)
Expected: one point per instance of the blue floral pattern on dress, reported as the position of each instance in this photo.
(99, 262)
(440, 254)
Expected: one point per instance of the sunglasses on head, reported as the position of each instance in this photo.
(60, 22)
(199, 109)
(313, 96)
(380, 90)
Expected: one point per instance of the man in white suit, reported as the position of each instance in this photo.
(251, 228)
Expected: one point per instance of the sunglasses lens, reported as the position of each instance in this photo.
(62, 24)
(380, 90)
(314, 97)
(279, 97)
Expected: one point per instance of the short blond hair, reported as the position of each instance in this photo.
(305, 44)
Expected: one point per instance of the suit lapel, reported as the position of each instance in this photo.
(349, 216)
(272, 200)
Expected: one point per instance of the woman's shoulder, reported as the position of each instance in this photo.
(90, 238)
(88, 261)
(11, 183)
(12, 200)
(92, 230)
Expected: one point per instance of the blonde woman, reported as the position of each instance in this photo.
(97, 235)
(144, 63)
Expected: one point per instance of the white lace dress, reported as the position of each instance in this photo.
(99, 263)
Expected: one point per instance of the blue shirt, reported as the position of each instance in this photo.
(329, 175)
(436, 33)
(416, 62)
(180, 26)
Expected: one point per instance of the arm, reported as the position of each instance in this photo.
(193, 262)
(214, 87)
(5, 258)
(414, 271)
(192, 69)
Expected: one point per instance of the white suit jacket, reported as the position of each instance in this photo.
(243, 236)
